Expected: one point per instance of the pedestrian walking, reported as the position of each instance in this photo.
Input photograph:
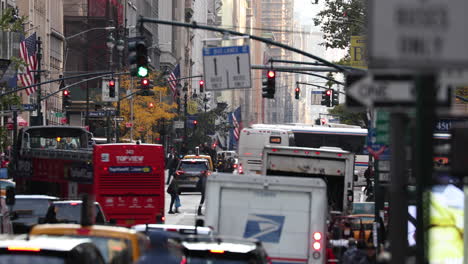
(173, 190)
(201, 186)
(171, 165)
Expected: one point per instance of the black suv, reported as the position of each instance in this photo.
(188, 173)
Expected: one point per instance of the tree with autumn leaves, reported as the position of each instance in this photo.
(147, 110)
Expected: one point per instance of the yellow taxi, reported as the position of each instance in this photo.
(114, 243)
(206, 157)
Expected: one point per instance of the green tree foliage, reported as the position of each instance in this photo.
(11, 22)
(348, 117)
(208, 124)
(340, 20)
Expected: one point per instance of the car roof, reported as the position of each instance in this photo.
(45, 243)
(234, 245)
(76, 229)
(35, 196)
(192, 159)
(181, 229)
(70, 201)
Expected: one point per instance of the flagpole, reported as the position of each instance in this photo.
(39, 121)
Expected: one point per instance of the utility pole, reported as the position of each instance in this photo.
(39, 118)
(185, 117)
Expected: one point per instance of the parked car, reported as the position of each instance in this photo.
(49, 250)
(28, 209)
(69, 211)
(189, 171)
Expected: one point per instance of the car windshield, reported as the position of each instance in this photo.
(30, 259)
(193, 166)
(71, 212)
(29, 210)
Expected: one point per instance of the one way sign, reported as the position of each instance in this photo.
(386, 90)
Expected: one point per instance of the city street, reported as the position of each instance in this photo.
(188, 210)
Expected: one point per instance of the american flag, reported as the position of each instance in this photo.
(172, 79)
(28, 54)
(236, 122)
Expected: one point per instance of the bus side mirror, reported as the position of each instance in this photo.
(10, 196)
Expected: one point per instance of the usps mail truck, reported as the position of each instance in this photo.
(287, 214)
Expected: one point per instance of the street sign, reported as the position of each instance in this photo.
(227, 67)
(101, 113)
(418, 34)
(29, 107)
(119, 118)
(391, 91)
(105, 90)
(178, 124)
(358, 52)
(192, 107)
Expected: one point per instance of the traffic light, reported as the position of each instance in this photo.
(335, 100)
(326, 95)
(150, 105)
(145, 86)
(111, 88)
(202, 85)
(66, 99)
(269, 85)
(195, 123)
(138, 57)
(298, 90)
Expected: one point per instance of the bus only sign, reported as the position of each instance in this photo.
(418, 34)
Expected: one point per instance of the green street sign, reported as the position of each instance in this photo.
(382, 128)
(58, 114)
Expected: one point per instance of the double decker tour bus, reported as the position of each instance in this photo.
(62, 161)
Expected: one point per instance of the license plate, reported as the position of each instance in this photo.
(194, 178)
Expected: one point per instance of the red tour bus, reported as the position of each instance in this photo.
(129, 182)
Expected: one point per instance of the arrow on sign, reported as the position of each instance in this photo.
(369, 92)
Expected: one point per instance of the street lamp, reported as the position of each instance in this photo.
(111, 44)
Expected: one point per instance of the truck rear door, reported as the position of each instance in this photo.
(284, 221)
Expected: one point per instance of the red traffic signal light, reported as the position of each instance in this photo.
(111, 83)
(271, 74)
(145, 82)
(195, 122)
(66, 93)
(298, 89)
(328, 92)
(150, 105)
(201, 82)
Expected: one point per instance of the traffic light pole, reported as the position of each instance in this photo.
(319, 86)
(143, 20)
(39, 118)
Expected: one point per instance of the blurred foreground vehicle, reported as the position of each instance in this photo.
(116, 244)
(49, 250)
(178, 229)
(223, 250)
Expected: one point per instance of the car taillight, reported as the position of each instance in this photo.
(241, 169)
(317, 245)
(180, 172)
(73, 203)
(235, 166)
(33, 249)
(183, 261)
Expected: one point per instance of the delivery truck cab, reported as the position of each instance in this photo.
(288, 215)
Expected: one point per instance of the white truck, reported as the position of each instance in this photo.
(334, 165)
(287, 214)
